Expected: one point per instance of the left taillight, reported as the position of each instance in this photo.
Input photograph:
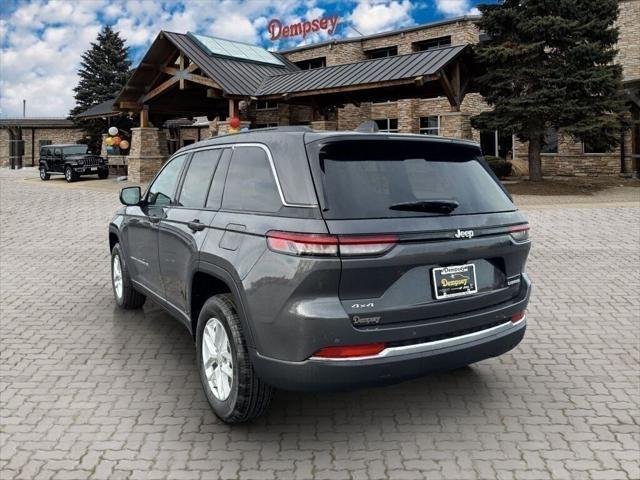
(520, 233)
(314, 244)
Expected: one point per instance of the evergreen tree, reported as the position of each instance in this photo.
(550, 63)
(104, 70)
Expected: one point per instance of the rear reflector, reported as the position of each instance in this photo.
(329, 245)
(351, 351)
(516, 317)
(520, 233)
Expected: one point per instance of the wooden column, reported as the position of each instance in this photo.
(234, 108)
(144, 116)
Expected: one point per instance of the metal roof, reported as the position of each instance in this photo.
(397, 67)
(103, 109)
(236, 77)
(37, 122)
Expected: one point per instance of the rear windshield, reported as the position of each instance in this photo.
(364, 179)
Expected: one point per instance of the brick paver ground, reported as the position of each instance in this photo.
(90, 391)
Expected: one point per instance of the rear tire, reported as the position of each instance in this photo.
(126, 296)
(69, 174)
(43, 174)
(238, 396)
(102, 174)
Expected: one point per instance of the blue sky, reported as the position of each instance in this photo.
(41, 41)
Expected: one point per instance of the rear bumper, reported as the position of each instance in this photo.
(392, 365)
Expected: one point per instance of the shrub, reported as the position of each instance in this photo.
(500, 166)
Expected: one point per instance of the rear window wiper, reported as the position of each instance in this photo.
(432, 206)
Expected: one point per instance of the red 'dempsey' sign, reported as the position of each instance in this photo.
(277, 30)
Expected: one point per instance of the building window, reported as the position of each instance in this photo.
(383, 102)
(550, 141)
(382, 52)
(312, 63)
(387, 124)
(266, 125)
(430, 125)
(595, 146)
(495, 143)
(432, 43)
(266, 105)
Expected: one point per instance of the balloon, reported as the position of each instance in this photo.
(124, 145)
(116, 141)
(233, 130)
(234, 122)
(109, 141)
(110, 149)
(113, 131)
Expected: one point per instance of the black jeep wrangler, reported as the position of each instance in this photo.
(71, 160)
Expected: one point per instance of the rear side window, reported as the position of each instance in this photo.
(365, 179)
(197, 180)
(250, 183)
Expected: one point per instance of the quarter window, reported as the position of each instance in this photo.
(250, 184)
(197, 180)
(162, 190)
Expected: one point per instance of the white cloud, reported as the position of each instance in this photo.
(372, 16)
(456, 7)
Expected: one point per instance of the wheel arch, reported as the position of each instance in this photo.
(208, 280)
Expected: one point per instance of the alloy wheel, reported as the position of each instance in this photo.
(118, 285)
(217, 359)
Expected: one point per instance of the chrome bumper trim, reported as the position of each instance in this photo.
(435, 345)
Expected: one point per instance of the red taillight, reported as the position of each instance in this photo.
(329, 245)
(303, 243)
(516, 317)
(350, 351)
(520, 233)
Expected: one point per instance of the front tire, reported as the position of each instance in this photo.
(69, 174)
(231, 386)
(43, 174)
(126, 296)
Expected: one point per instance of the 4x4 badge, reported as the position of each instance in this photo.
(463, 234)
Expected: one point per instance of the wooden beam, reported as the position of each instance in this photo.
(202, 80)
(130, 106)
(234, 107)
(175, 71)
(181, 61)
(449, 91)
(159, 89)
(144, 116)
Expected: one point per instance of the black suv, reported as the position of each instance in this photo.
(71, 160)
(325, 260)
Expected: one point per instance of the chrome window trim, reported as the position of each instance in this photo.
(233, 146)
(430, 346)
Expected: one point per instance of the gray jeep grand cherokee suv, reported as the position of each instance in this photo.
(325, 260)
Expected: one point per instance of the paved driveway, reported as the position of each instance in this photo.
(90, 391)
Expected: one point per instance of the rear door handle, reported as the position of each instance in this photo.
(196, 225)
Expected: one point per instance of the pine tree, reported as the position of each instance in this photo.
(103, 72)
(550, 63)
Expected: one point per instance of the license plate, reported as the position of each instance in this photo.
(94, 169)
(454, 281)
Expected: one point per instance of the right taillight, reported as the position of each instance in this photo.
(520, 233)
(317, 244)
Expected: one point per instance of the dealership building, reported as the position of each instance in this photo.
(414, 80)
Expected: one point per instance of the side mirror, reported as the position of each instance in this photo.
(130, 196)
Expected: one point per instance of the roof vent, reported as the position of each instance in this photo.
(368, 127)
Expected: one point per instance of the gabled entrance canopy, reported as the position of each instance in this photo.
(189, 75)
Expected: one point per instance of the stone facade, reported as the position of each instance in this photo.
(147, 154)
(629, 40)
(32, 137)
